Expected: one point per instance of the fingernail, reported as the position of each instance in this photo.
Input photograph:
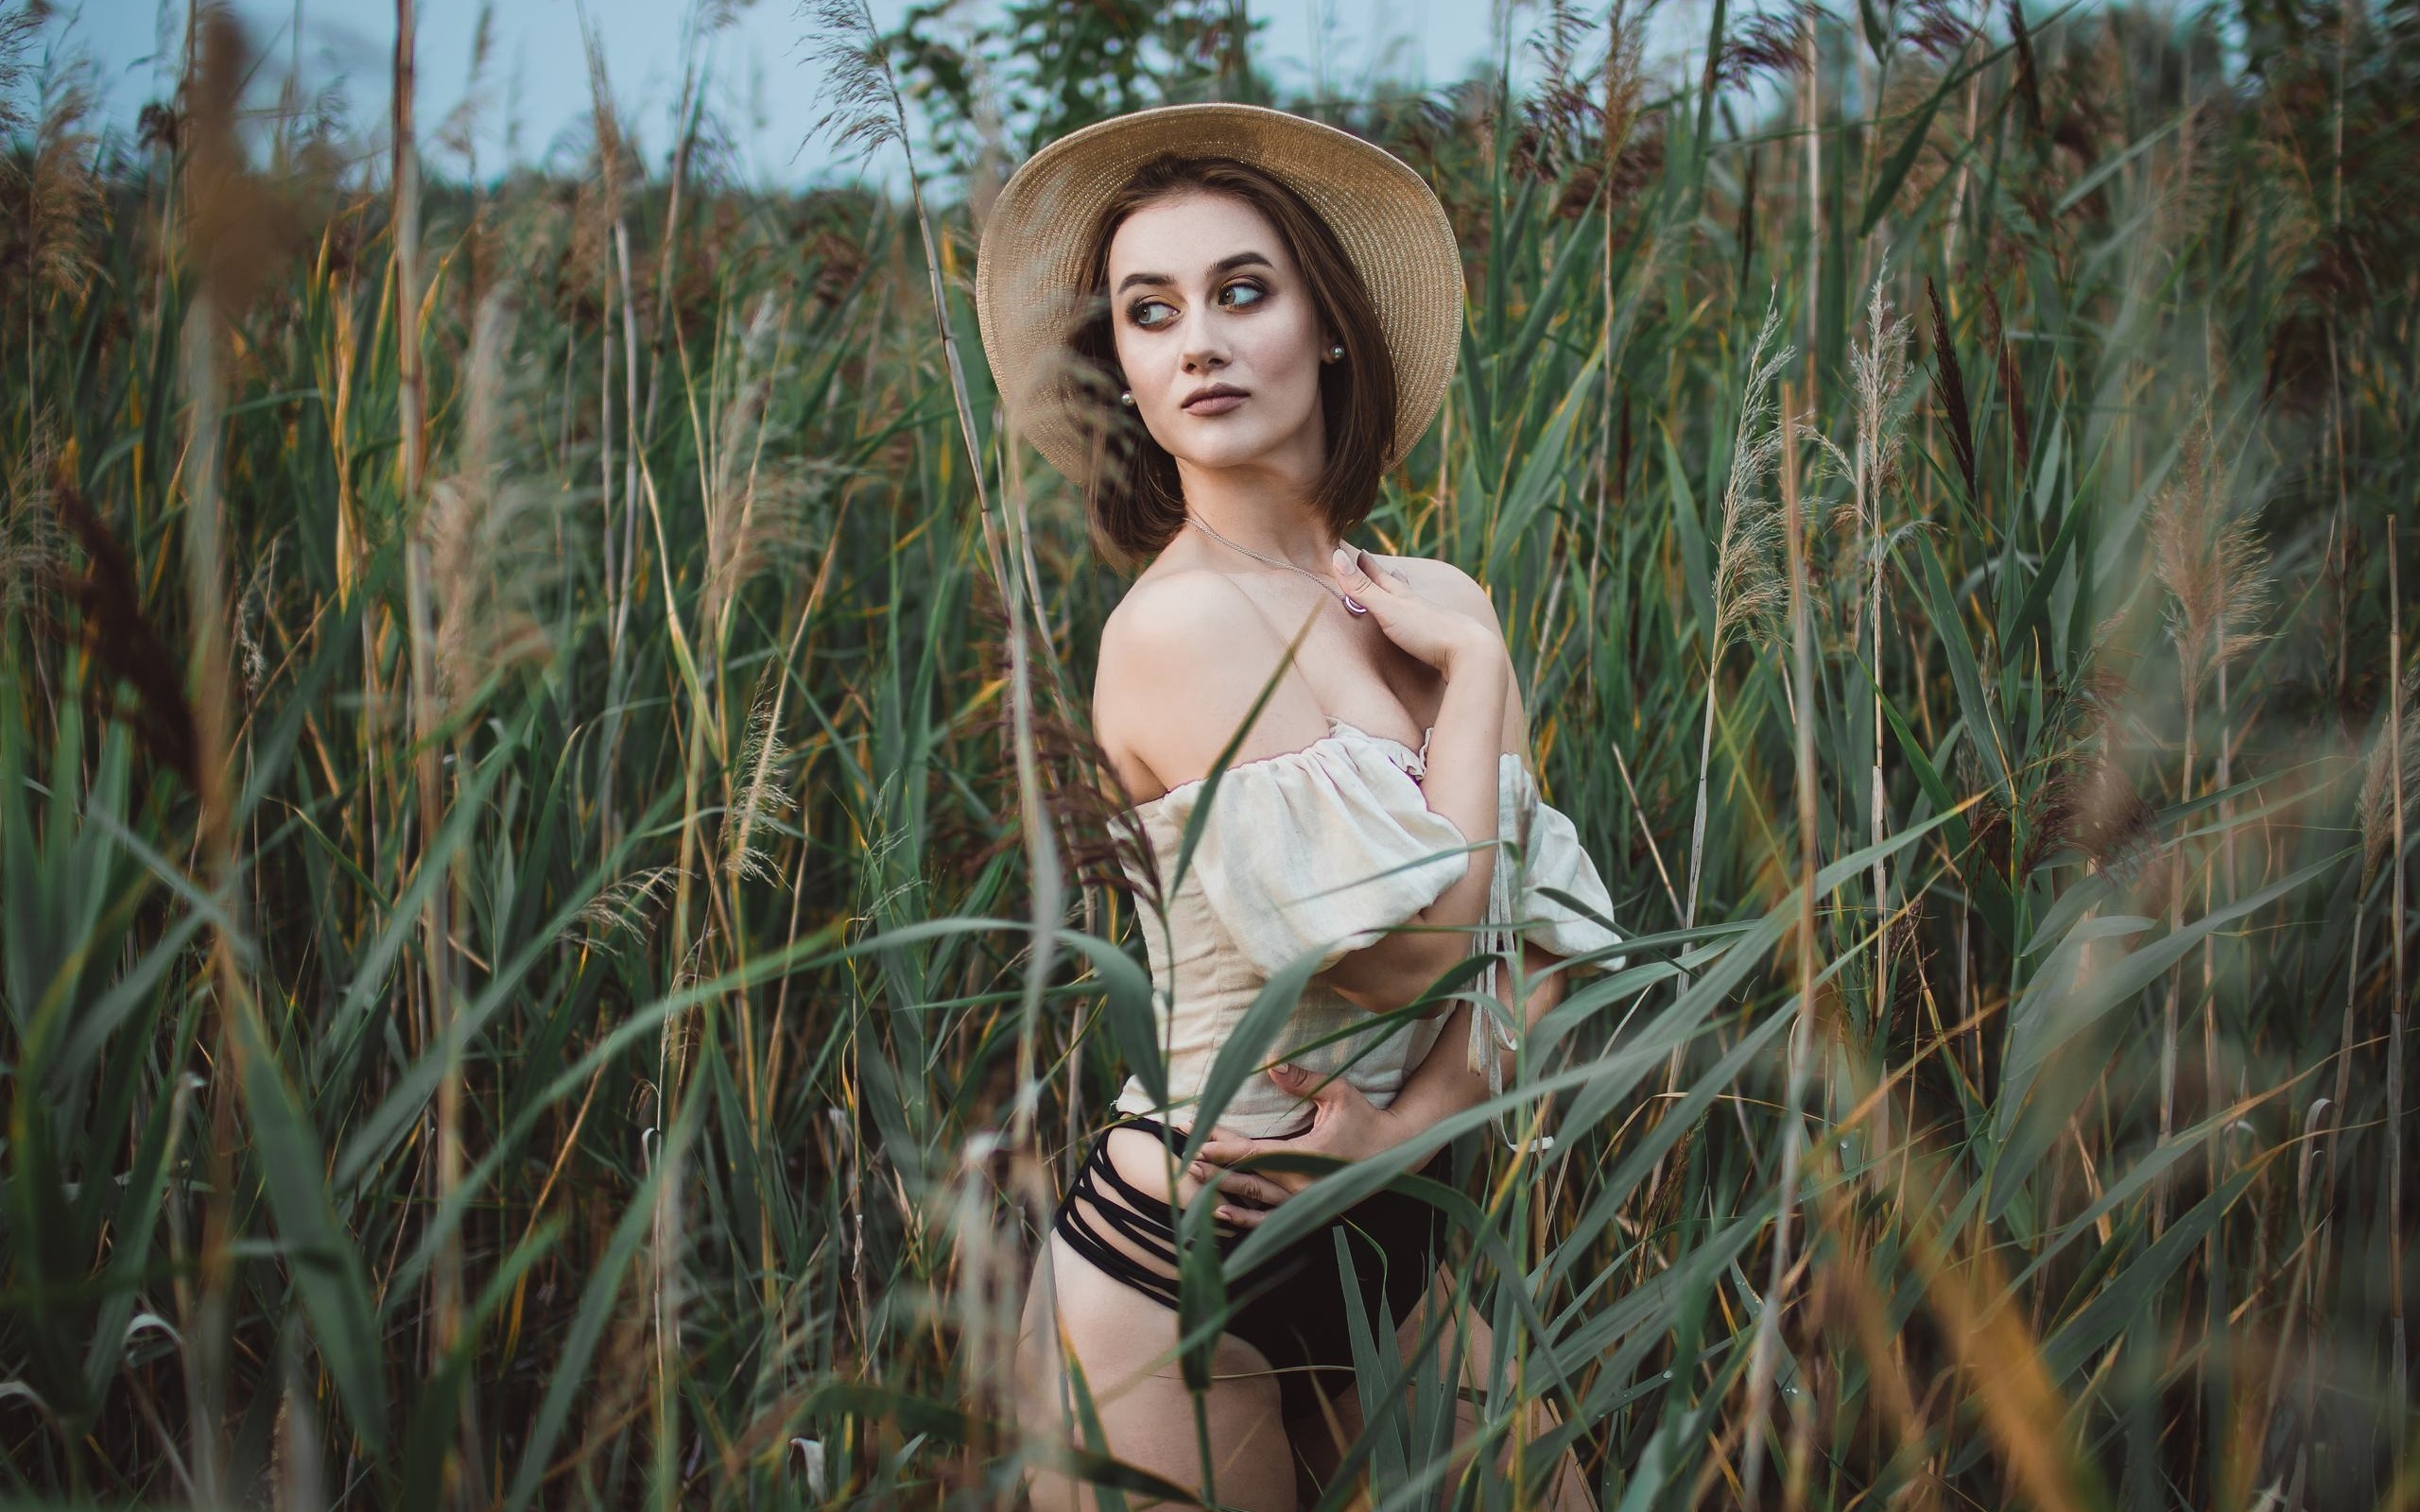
(1283, 1067)
(1343, 558)
(1201, 1170)
(1228, 1213)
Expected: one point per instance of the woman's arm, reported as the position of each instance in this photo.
(1345, 1123)
(1460, 784)
(1479, 720)
(1442, 1084)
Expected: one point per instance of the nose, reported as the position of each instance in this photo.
(1206, 346)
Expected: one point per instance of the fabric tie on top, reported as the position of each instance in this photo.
(1538, 848)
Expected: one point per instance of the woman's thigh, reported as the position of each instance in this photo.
(1322, 1443)
(1124, 1342)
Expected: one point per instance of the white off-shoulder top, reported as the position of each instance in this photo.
(1325, 849)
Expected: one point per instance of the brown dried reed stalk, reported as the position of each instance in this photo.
(218, 190)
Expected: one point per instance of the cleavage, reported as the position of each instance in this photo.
(1390, 679)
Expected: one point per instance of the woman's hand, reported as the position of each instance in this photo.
(1435, 634)
(1345, 1125)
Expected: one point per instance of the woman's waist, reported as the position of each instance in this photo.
(1372, 1055)
(1199, 1020)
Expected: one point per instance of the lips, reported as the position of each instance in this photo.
(1215, 399)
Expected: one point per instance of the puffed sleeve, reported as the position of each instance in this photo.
(1555, 859)
(1326, 847)
(1517, 904)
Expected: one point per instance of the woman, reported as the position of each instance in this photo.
(1277, 307)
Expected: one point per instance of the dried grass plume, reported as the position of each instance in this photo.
(2213, 567)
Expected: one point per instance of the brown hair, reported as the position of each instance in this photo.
(1133, 500)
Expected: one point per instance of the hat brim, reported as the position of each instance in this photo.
(1030, 268)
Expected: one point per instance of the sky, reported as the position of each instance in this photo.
(534, 95)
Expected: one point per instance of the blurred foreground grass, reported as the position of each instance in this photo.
(530, 786)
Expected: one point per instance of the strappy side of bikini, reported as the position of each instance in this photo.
(1291, 1309)
(1148, 1223)
(1134, 1217)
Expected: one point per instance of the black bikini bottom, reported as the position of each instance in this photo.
(1291, 1307)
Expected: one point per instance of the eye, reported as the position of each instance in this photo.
(1241, 292)
(1140, 311)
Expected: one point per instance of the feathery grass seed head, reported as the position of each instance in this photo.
(2376, 805)
(861, 106)
(1749, 590)
(33, 549)
(620, 908)
(761, 797)
(2213, 567)
(491, 552)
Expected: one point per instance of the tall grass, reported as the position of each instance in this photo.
(555, 952)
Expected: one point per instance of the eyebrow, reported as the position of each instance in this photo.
(1218, 270)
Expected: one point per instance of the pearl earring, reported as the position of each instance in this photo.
(1125, 397)
(1336, 352)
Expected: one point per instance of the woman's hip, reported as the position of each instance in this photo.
(1117, 1211)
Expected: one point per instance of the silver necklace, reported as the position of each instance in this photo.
(1351, 605)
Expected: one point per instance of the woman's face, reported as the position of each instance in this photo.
(1216, 336)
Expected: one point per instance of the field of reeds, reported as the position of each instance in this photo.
(550, 954)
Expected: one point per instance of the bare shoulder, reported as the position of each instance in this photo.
(1183, 657)
(1442, 583)
(1165, 621)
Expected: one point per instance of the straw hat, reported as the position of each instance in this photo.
(1030, 269)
